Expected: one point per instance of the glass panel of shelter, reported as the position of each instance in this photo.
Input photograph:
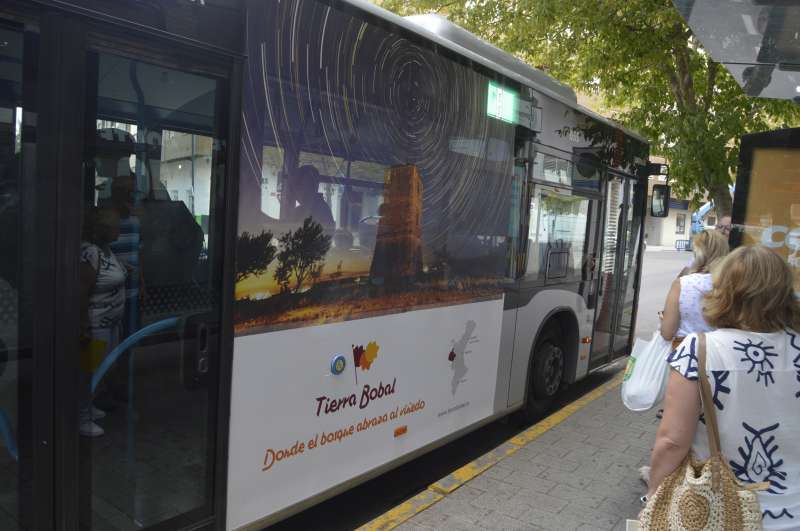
(150, 293)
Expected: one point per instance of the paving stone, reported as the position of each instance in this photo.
(549, 451)
(573, 445)
(565, 465)
(407, 526)
(567, 478)
(500, 521)
(611, 444)
(493, 486)
(528, 467)
(612, 456)
(590, 515)
(466, 493)
(459, 523)
(527, 452)
(500, 471)
(571, 432)
(550, 521)
(598, 486)
(565, 492)
(432, 517)
(537, 500)
(642, 443)
(466, 510)
(548, 437)
(523, 479)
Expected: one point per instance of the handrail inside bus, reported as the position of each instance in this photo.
(8, 436)
(131, 340)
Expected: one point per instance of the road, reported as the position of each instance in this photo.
(659, 270)
(371, 499)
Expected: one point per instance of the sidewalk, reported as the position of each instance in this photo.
(581, 473)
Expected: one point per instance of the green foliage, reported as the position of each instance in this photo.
(302, 255)
(639, 57)
(253, 254)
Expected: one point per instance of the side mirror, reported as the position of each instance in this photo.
(659, 202)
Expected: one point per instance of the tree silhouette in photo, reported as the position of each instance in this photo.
(302, 253)
(254, 254)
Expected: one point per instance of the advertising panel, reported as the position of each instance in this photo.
(314, 407)
(772, 211)
(368, 186)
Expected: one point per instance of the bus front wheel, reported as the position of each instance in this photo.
(546, 374)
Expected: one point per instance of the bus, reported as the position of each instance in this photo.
(256, 252)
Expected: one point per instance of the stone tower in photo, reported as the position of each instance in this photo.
(398, 248)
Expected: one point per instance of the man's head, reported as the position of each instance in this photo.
(123, 188)
(101, 225)
(724, 225)
(307, 181)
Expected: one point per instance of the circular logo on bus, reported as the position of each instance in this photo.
(338, 363)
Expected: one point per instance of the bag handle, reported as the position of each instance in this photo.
(706, 397)
(710, 413)
(711, 420)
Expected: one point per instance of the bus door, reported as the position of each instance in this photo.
(618, 268)
(558, 263)
(25, 411)
(142, 184)
(154, 170)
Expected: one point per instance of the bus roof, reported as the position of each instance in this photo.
(440, 30)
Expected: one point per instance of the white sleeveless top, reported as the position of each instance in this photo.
(693, 289)
(755, 385)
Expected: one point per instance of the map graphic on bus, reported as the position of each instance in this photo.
(457, 356)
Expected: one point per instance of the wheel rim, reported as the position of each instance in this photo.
(553, 370)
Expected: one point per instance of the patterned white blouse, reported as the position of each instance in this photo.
(755, 381)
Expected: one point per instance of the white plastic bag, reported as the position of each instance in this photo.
(645, 380)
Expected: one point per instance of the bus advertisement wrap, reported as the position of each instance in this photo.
(352, 202)
(362, 394)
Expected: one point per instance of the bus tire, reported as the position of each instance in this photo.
(546, 375)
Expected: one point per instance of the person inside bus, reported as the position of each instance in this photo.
(102, 305)
(752, 362)
(308, 201)
(127, 249)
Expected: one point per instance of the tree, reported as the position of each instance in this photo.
(253, 254)
(639, 57)
(302, 251)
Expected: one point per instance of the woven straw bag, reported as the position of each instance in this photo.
(704, 496)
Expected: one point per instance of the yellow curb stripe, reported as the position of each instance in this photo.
(448, 484)
(397, 515)
(452, 481)
(564, 413)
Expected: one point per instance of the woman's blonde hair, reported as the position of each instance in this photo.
(710, 246)
(753, 290)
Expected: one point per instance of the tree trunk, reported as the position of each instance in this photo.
(721, 196)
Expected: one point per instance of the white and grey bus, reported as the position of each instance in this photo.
(256, 252)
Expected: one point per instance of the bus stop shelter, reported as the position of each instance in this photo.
(756, 40)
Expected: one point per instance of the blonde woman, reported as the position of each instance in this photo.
(682, 313)
(753, 367)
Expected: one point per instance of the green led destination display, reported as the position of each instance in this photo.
(502, 103)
